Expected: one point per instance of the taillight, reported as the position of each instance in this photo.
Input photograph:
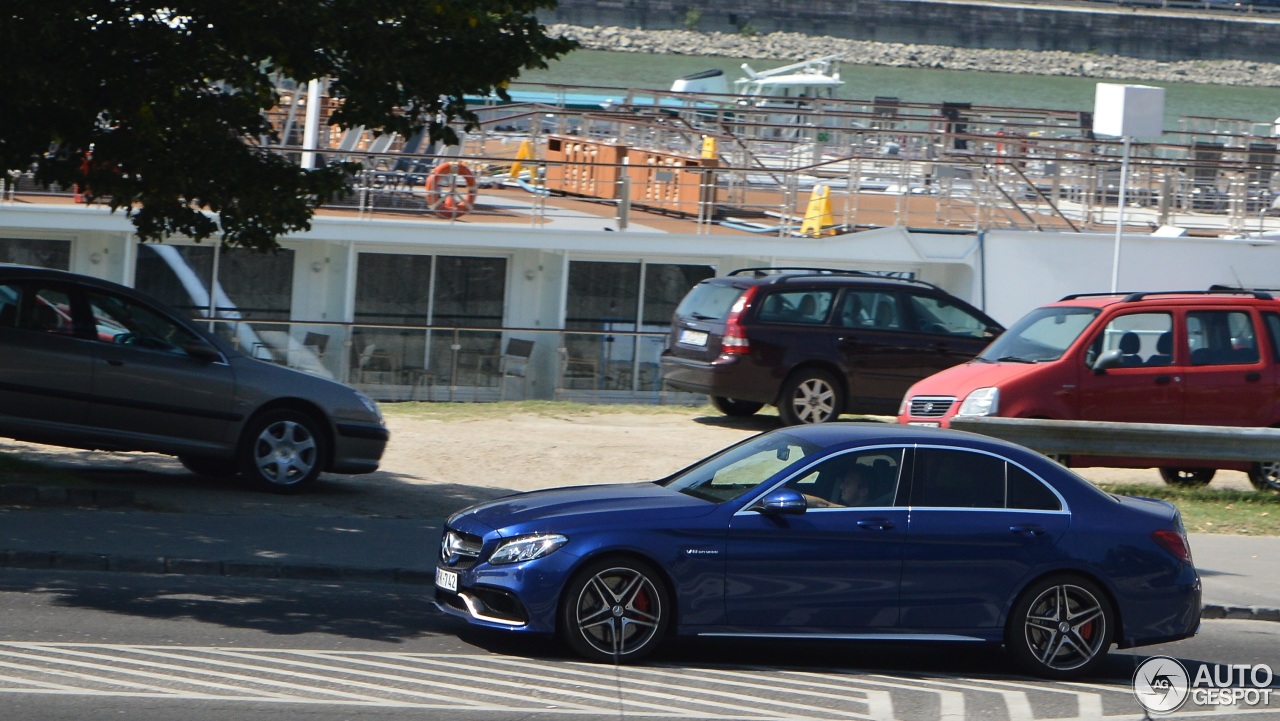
(734, 341)
(1175, 542)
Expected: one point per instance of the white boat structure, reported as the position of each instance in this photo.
(542, 257)
(786, 86)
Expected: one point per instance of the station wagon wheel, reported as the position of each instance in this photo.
(1265, 476)
(1060, 628)
(615, 611)
(735, 407)
(810, 395)
(1187, 476)
(283, 451)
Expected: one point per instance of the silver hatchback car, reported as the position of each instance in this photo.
(86, 363)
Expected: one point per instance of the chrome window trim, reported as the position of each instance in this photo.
(1064, 510)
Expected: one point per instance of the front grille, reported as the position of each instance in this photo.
(931, 406)
(459, 550)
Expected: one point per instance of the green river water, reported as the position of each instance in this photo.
(637, 70)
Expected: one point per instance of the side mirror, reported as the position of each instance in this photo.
(201, 350)
(1109, 359)
(992, 332)
(782, 502)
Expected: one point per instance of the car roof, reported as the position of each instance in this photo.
(1216, 296)
(817, 276)
(866, 433)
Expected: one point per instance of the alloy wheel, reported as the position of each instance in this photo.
(618, 612)
(1066, 627)
(285, 453)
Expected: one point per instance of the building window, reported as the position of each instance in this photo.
(40, 253)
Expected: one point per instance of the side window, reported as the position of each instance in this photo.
(1221, 337)
(122, 321)
(31, 307)
(1143, 339)
(1028, 492)
(853, 480)
(945, 478)
(869, 309)
(937, 315)
(808, 307)
(1273, 330)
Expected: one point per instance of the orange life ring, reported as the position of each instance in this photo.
(451, 190)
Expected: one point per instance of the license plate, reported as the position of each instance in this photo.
(448, 580)
(693, 337)
(926, 424)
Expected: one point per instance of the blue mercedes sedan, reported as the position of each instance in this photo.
(833, 531)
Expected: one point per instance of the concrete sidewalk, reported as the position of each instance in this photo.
(1237, 571)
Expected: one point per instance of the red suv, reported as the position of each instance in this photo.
(1194, 357)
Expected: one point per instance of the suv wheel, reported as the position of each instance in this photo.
(1265, 476)
(810, 395)
(1187, 476)
(733, 407)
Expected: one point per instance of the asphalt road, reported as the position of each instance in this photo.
(92, 645)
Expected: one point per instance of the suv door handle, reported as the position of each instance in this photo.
(875, 524)
(1252, 376)
(1029, 529)
(1162, 380)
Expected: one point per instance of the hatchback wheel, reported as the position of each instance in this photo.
(615, 611)
(1265, 476)
(211, 467)
(283, 452)
(1060, 628)
(734, 407)
(1187, 476)
(810, 396)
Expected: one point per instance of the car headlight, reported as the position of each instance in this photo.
(981, 402)
(370, 405)
(527, 548)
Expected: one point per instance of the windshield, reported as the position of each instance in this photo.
(741, 468)
(1044, 334)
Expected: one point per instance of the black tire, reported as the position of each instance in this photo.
(1265, 476)
(1187, 477)
(810, 395)
(734, 407)
(283, 451)
(210, 467)
(615, 611)
(1060, 628)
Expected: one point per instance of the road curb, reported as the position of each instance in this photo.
(15, 494)
(160, 565)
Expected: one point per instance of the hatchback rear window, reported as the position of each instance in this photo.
(708, 301)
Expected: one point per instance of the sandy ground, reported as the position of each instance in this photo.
(432, 468)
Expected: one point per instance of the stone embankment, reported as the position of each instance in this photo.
(796, 46)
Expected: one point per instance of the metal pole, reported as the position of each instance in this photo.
(311, 130)
(1124, 186)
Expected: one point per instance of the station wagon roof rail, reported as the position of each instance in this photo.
(1135, 297)
(801, 273)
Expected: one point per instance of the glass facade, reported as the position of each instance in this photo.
(622, 312)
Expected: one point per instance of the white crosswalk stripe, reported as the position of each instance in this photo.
(474, 685)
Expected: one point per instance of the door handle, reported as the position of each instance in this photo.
(1162, 380)
(1252, 376)
(876, 524)
(1029, 529)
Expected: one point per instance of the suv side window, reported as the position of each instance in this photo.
(869, 309)
(1273, 330)
(1221, 338)
(807, 307)
(1144, 339)
(937, 315)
